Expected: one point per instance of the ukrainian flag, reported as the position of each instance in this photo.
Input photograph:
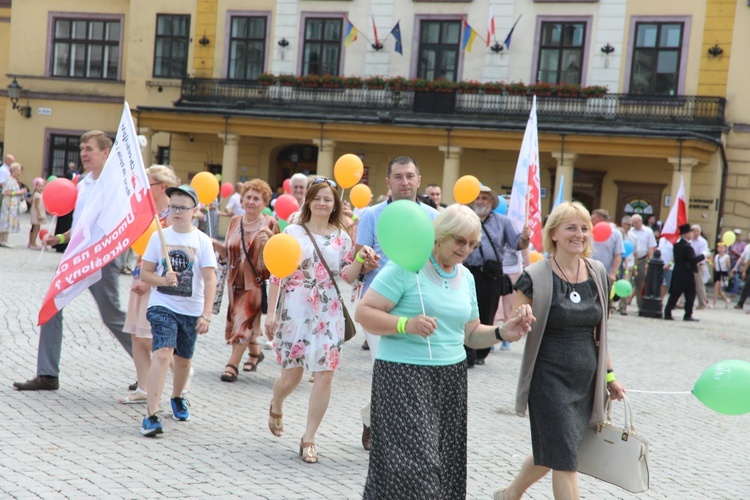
(350, 33)
(468, 37)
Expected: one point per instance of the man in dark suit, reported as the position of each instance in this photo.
(683, 280)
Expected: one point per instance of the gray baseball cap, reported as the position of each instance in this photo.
(184, 189)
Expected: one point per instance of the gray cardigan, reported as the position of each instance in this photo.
(541, 277)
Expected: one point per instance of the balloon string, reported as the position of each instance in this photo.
(52, 223)
(660, 392)
(421, 300)
(208, 216)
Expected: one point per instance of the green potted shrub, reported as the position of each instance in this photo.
(469, 87)
(569, 90)
(445, 86)
(353, 82)
(541, 89)
(309, 81)
(420, 85)
(516, 88)
(375, 82)
(397, 83)
(287, 80)
(267, 79)
(494, 88)
(594, 91)
(331, 81)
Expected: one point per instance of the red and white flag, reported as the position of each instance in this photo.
(677, 216)
(490, 26)
(525, 207)
(119, 209)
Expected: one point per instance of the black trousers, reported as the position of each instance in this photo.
(682, 283)
(488, 297)
(745, 291)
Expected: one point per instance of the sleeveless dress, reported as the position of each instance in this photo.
(561, 395)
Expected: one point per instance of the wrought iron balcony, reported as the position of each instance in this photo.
(614, 109)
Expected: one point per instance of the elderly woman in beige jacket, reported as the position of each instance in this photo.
(566, 371)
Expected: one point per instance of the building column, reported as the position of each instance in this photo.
(564, 175)
(451, 170)
(325, 157)
(682, 170)
(229, 157)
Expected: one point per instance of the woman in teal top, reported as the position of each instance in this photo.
(418, 390)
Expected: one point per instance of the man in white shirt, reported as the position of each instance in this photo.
(608, 252)
(5, 172)
(645, 244)
(234, 204)
(700, 245)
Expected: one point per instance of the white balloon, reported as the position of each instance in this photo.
(142, 141)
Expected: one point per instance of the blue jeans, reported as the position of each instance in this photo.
(172, 330)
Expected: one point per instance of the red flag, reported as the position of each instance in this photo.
(119, 209)
(534, 213)
(677, 216)
(375, 30)
(490, 27)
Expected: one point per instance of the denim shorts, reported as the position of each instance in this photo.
(173, 330)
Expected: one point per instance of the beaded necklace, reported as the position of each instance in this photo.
(442, 273)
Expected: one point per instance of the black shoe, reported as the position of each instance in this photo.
(738, 306)
(624, 313)
(479, 362)
(690, 318)
(668, 317)
(366, 439)
(365, 346)
(40, 383)
(133, 386)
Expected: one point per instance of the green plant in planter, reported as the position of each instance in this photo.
(310, 81)
(594, 91)
(569, 90)
(331, 81)
(494, 87)
(441, 85)
(516, 88)
(287, 80)
(353, 82)
(420, 85)
(397, 83)
(541, 89)
(375, 82)
(267, 79)
(469, 87)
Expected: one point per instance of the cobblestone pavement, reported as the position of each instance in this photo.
(78, 442)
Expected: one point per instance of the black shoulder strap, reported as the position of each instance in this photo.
(323, 261)
(497, 257)
(247, 255)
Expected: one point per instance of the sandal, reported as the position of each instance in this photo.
(275, 422)
(135, 397)
(250, 365)
(307, 452)
(228, 376)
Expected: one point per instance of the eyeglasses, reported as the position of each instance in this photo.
(178, 209)
(463, 241)
(327, 181)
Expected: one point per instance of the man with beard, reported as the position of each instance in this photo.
(485, 262)
(683, 275)
(403, 181)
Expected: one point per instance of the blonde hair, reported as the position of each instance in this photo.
(458, 220)
(100, 137)
(565, 212)
(163, 174)
(14, 167)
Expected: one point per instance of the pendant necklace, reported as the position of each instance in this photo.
(443, 274)
(575, 297)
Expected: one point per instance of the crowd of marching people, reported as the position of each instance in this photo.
(480, 287)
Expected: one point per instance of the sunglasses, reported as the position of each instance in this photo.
(178, 209)
(327, 181)
(463, 241)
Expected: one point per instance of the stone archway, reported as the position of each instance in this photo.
(293, 159)
(638, 198)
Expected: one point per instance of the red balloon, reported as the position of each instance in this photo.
(227, 189)
(602, 231)
(288, 186)
(60, 196)
(43, 234)
(285, 206)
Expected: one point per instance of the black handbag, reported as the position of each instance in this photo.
(493, 269)
(261, 284)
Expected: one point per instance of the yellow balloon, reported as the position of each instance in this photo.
(206, 186)
(535, 257)
(282, 254)
(729, 238)
(139, 245)
(466, 189)
(348, 170)
(360, 195)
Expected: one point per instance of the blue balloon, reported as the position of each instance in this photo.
(628, 248)
(502, 206)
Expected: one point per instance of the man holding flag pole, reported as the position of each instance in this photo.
(113, 208)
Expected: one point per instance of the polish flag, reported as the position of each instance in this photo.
(677, 216)
(490, 27)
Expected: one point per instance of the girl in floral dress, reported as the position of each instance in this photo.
(309, 331)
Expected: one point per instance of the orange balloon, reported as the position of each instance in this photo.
(206, 186)
(466, 189)
(535, 257)
(282, 254)
(348, 170)
(360, 195)
(139, 245)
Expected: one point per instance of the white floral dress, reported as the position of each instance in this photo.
(311, 331)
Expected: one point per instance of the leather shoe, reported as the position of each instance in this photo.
(366, 437)
(670, 318)
(690, 318)
(40, 383)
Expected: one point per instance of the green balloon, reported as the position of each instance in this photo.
(282, 224)
(725, 387)
(267, 211)
(406, 235)
(51, 178)
(218, 177)
(623, 288)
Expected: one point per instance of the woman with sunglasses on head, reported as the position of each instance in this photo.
(247, 235)
(160, 178)
(309, 331)
(419, 392)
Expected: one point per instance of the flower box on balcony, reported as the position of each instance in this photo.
(375, 83)
(397, 83)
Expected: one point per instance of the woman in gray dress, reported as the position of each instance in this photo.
(566, 371)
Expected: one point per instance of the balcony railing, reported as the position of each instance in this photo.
(613, 108)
